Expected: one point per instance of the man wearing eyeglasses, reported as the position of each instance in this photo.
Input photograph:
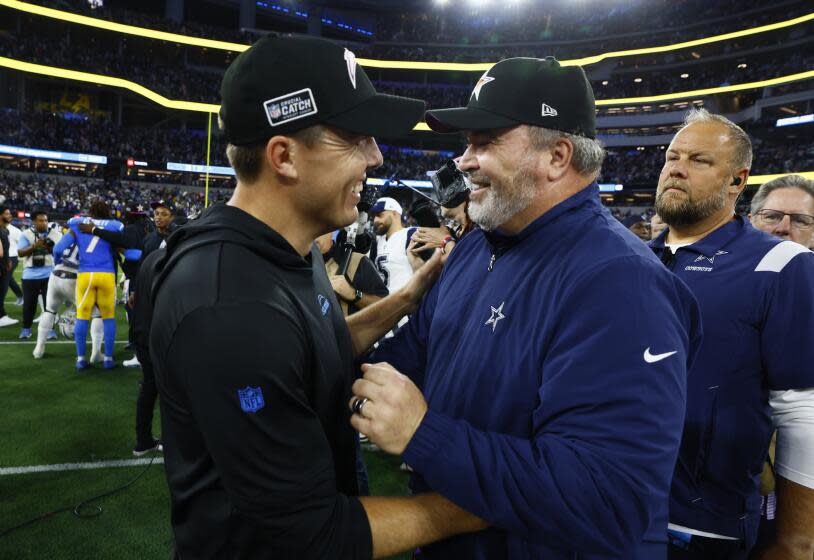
(754, 370)
(784, 208)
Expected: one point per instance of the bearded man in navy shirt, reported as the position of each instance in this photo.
(553, 352)
(754, 369)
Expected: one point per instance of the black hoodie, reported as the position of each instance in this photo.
(254, 364)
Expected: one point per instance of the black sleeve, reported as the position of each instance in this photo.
(125, 238)
(6, 246)
(368, 279)
(275, 462)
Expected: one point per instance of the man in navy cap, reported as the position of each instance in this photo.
(552, 354)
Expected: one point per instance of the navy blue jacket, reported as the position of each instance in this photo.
(757, 303)
(544, 416)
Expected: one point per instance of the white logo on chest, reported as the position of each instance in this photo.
(703, 259)
(497, 315)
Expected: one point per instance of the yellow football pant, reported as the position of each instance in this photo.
(95, 288)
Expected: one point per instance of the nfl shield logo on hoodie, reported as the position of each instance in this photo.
(251, 399)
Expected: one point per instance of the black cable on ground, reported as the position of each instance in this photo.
(94, 511)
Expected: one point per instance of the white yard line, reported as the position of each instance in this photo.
(80, 466)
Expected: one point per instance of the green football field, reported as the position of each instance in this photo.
(55, 418)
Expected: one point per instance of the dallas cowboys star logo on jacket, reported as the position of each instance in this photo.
(497, 315)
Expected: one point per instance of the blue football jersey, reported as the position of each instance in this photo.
(95, 254)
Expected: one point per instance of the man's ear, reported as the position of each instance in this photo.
(281, 155)
(561, 154)
(739, 180)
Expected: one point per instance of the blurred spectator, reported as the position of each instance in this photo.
(784, 208)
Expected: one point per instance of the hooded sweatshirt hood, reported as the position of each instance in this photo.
(221, 222)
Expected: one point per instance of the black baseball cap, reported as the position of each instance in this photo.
(535, 91)
(164, 203)
(136, 209)
(283, 83)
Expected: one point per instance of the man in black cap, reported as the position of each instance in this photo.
(552, 354)
(253, 357)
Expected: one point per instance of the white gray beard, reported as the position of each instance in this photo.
(497, 208)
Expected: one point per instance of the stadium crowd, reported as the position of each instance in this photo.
(45, 130)
(64, 196)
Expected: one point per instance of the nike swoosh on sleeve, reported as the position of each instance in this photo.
(653, 358)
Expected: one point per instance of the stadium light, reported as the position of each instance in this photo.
(54, 72)
(76, 75)
(708, 91)
(790, 121)
(392, 64)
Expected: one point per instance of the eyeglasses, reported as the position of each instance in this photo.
(774, 217)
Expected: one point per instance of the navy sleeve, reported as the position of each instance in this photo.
(407, 349)
(275, 462)
(410, 233)
(607, 428)
(789, 323)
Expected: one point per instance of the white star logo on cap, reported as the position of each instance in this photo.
(482, 82)
(350, 60)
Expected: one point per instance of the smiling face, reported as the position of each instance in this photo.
(333, 172)
(501, 165)
(694, 182)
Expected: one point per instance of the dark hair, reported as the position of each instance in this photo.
(99, 209)
(3, 208)
(36, 213)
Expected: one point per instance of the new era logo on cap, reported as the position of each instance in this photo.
(290, 107)
(549, 111)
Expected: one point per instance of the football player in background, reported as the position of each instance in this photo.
(96, 281)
